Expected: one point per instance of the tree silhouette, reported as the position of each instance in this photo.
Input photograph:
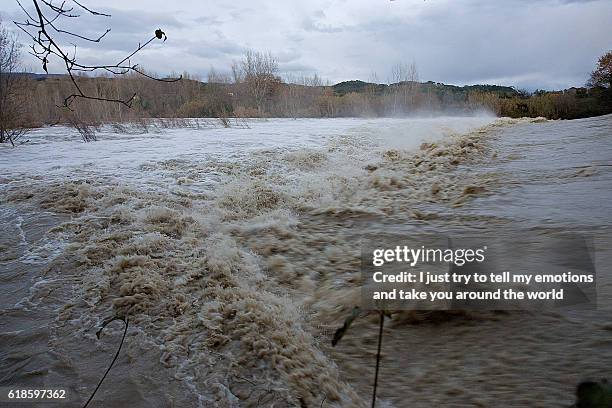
(42, 26)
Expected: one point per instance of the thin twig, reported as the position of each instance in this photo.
(125, 321)
(378, 357)
(40, 27)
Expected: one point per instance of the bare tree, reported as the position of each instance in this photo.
(43, 27)
(12, 124)
(220, 99)
(215, 77)
(299, 95)
(398, 73)
(259, 72)
(86, 129)
(237, 74)
(411, 87)
(404, 78)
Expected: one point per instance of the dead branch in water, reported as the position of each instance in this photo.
(355, 313)
(124, 319)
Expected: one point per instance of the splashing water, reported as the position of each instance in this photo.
(234, 253)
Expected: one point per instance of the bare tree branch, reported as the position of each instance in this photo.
(41, 27)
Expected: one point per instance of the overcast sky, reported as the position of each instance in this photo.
(546, 44)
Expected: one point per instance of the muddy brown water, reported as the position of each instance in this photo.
(233, 292)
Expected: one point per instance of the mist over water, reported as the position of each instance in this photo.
(116, 152)
(409, 133)
(234, 253)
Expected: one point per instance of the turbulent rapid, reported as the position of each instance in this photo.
(234, 254)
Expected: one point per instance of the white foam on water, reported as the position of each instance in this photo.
(57, 152)
(228, 244)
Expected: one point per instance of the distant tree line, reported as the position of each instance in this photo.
(253, 88)
(262, 93)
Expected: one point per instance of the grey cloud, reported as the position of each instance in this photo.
(128, 27)
(318, 21)
(287, 56)
(540, 47)
(297, 68)
(206, 48)
(312, 24)
(208, 20)
(524, 43)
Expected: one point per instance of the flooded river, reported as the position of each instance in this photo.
(234, 254)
